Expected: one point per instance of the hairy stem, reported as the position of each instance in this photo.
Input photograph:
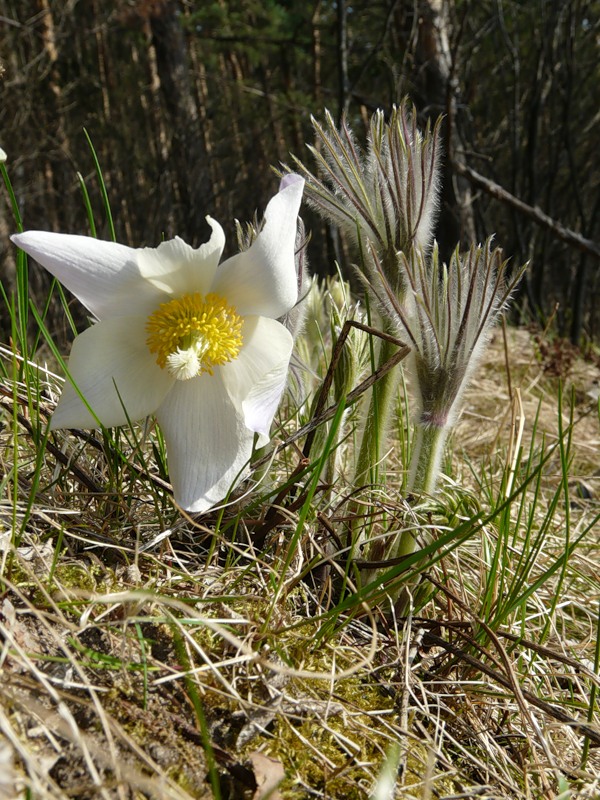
(378, 420)
(426, 458)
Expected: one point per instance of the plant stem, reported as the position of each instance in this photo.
(427, 450)
(377, 422)
(426, 457)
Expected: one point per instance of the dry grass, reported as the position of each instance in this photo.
(534, 374)
(207, 665)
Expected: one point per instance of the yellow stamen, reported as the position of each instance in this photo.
(194, 329)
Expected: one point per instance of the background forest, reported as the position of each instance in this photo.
(188, 103)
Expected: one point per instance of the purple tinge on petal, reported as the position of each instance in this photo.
(289, 179)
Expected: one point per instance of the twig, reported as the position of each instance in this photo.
(352, 396)
(522, 696)
(582, 728)
(335, 357)
(65, 460)
(533, 212)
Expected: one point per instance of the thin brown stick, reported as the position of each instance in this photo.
(582, 728)
(533, 212)
(65, 460)
(527, 644)
(320, 416)
(335, 357)
(511, 681)
(352, 396)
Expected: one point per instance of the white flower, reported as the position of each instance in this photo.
(196, 343)
(2, 156)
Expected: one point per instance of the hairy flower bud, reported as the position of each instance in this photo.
(385, 196)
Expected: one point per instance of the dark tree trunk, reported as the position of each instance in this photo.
(187, 153)
(438, 89)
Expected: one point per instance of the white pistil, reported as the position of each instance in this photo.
(184, 364)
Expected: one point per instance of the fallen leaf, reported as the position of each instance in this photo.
(268, 773)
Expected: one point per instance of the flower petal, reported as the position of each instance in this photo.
(117, 375)
(208, 444)
(262, 280)
(104, 276)
(255, 380)
(176, 268)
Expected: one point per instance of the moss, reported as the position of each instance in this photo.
(70, 579)
(323, 746)
(77, 576)
(314, 757)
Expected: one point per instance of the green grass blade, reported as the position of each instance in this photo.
(103, 191)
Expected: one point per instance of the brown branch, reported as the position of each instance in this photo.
(65, 460)
(582, 728)
(510, 680)
(535, 213)
(320, 417)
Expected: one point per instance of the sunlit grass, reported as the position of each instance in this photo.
(147, 653)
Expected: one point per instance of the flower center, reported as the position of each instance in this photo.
(193, 334)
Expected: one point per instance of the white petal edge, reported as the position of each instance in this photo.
(255, 380)
(104, 276)
(176, 268)
(262, 280)
(260, 406)
(208, 445)
(116, 373)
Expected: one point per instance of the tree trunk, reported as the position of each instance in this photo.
(342, 45)
(438, 95)
(187, 152)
